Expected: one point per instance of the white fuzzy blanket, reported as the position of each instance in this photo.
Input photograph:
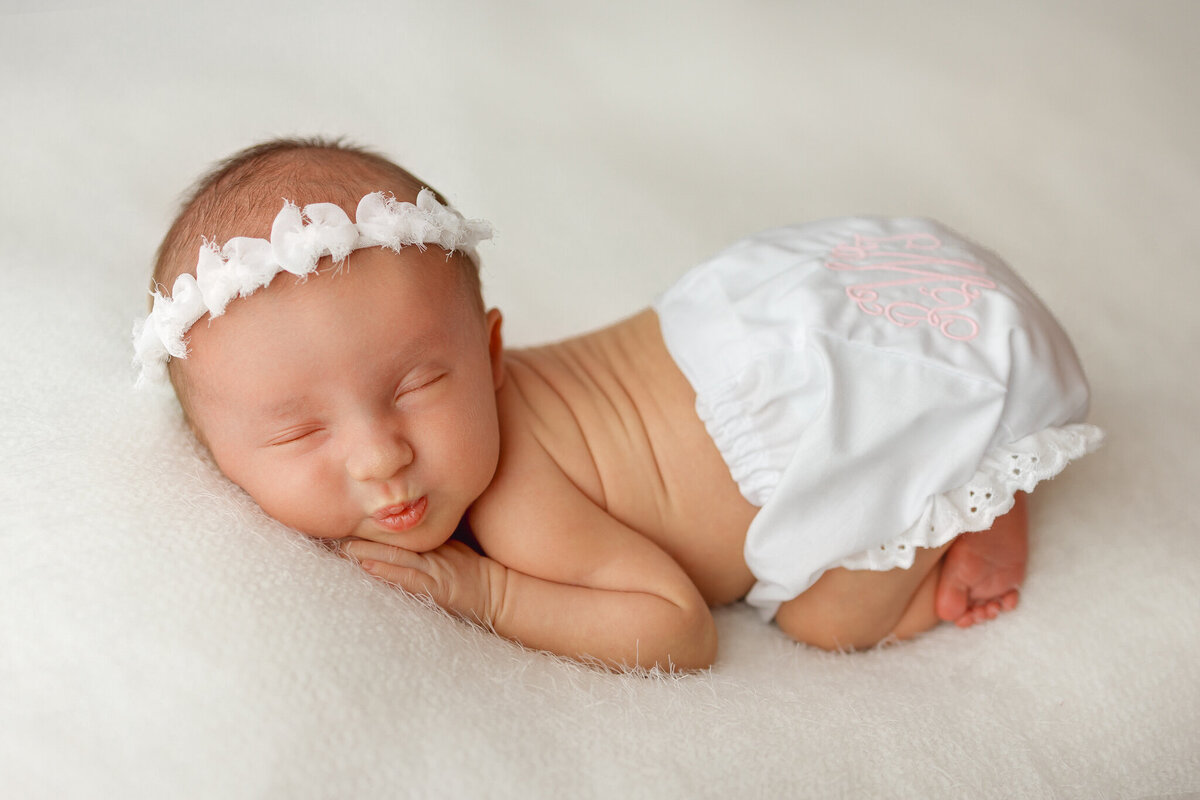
(159, 637)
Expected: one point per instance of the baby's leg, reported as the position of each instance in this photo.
(983, 571)
(855, 609)
(968, 580)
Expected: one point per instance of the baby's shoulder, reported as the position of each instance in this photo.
(547, 420)
(529, 477)
(533, 513)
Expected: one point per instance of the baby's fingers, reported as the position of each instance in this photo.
(454, 576)
(365, 552)
(398, 566)
(413, 581)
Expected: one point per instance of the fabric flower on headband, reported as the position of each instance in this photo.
(299, 239)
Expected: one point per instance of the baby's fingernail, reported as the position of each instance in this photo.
(369, 566)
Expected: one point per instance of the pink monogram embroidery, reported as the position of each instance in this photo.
(911, 261)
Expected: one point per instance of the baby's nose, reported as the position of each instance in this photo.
(378, 454)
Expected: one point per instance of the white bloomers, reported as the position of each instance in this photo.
(874, 385)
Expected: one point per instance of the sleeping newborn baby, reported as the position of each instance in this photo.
(833, 421)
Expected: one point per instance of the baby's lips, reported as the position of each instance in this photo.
(402, 517)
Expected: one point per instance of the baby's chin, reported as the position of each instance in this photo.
(415, 527)
(423, 537)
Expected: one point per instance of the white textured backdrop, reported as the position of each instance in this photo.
(160, 638)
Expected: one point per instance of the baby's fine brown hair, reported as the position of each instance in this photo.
(241, 195)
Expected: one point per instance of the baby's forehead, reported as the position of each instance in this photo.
(375, 311)
(414, 282)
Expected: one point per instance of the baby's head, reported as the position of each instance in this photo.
(359, 399)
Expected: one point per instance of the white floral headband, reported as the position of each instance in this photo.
(245, 265)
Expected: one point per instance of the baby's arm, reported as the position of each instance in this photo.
(580, 583)
(563, 575)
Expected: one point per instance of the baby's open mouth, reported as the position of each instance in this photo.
(401, 517)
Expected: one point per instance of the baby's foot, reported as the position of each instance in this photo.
(983, 570)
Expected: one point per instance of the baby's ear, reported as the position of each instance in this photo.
(496, 346)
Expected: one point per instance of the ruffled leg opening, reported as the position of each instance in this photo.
(1004, 472)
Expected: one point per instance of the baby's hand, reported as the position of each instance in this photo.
(456, 577)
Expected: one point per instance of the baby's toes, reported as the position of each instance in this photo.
(1009, 601)
(968, 619)
(952, 600)
(981, 613)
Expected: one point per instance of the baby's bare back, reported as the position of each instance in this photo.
(618, 417)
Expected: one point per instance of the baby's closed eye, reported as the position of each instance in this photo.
(293, 435)
(418, 383)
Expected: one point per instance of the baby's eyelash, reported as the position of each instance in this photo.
(419, 384)
(294, 435)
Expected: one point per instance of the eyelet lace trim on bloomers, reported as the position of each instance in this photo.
(1005, 470)
(299, 239)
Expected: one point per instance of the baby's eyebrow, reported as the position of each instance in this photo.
(287, 408)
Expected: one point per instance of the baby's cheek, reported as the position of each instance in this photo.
(305, 497)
